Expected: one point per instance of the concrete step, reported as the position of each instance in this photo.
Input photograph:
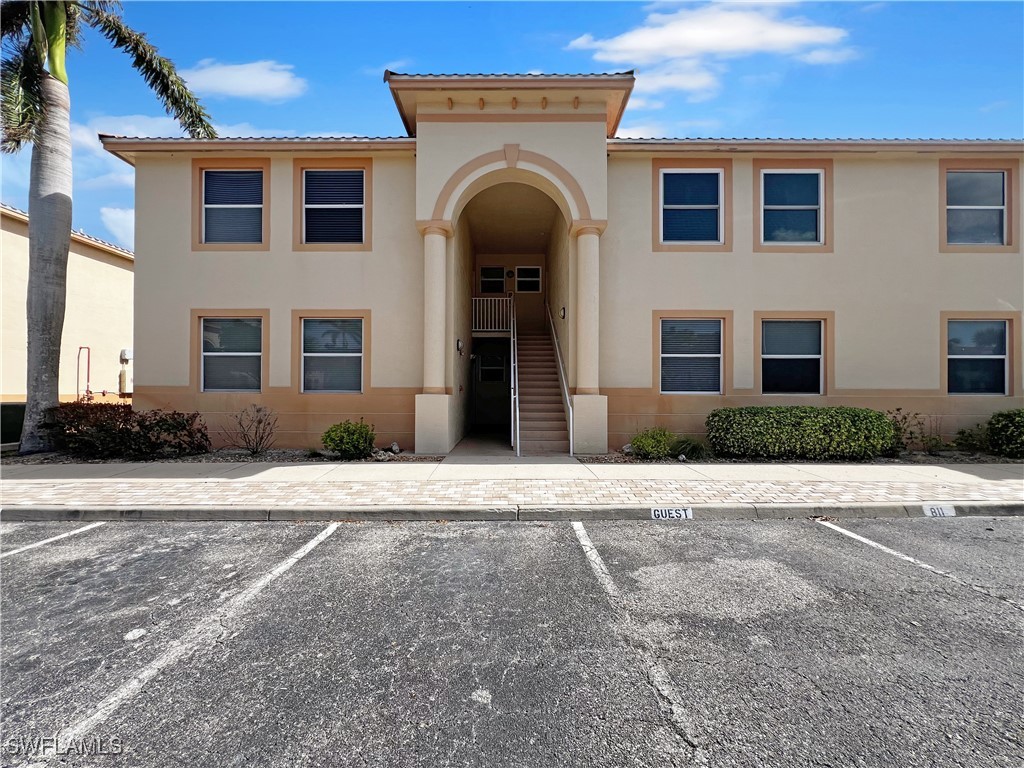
(541, 447)
(538, 407)
(543, 434)
(536, 429)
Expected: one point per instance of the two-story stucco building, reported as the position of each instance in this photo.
(377, 278)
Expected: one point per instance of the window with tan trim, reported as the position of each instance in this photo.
(232, 354)
(692, 351)
(977, 357)
(792, 357)
(692, 204)
(332, 354)
(333, 198)
(793, 206)
(977, 206)
(231, 204)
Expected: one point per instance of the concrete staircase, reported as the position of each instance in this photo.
(542, 426)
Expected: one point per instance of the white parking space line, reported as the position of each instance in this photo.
(659, 677)
(918, 563)
(206, 632)
(27, 547)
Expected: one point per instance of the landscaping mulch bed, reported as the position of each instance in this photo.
(223, 455)
(913, 457)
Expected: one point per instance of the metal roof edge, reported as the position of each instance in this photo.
(76, 235)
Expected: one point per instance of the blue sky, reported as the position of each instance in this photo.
(725, 69)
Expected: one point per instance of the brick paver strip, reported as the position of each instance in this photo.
(454, 493)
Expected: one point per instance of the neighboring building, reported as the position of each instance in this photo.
(97, 319)
(351, 278)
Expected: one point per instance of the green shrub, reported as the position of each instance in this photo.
(115, 431)
(1006, 433)
(693, 450)
(653, 443)
(800, 432)
(972, 440)
(908, 431)
(350, 439)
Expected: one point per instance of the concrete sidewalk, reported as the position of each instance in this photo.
(500, 488)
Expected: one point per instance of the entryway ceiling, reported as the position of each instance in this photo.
(511, 218)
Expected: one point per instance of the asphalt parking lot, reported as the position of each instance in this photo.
(733, 643)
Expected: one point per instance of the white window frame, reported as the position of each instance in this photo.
(949, 171)
(721, 207)
(480, 284)
(820, 357)
(482, 367)
(204, 354)
(361, 206)
(539, 279)
(721, 356)
(247, 205)
(820, 207)
(1005, 357)
(303, 354)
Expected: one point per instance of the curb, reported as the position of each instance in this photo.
(510, 513)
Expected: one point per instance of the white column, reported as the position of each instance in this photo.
(588, 299)
(435, 243)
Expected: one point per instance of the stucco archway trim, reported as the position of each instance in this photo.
(511, 156)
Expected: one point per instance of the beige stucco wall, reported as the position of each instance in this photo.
(174, 280)
(98, 314)
(562, 293)
(886, 282)
(443, 148)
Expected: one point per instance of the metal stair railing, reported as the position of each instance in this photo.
(515, 378)
(566, 400)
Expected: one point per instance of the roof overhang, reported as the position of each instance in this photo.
(409, 91)
(77, 236)
(959, 146)
(126, 147)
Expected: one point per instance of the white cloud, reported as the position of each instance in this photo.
(120, 222)
(638, 102)
(678, 75)
(682, 49)
(265, 80)
(642, 131)
(829, 55)
(397, 65)
(711, 30)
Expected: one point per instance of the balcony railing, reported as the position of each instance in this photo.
(492, 314)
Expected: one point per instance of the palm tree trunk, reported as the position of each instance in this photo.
(49, 234)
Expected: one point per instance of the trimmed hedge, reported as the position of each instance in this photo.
(350, 439)
(115, 431)
(799, 432)
(1006, 433)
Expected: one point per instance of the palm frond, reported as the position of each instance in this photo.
(21, 98)
(158, 72)
(15, 16)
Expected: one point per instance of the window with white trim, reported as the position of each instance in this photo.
(232, 354)
(332, 355)
(333, 206)
(976, 357)
(791, 357)
(691, 205)
(975, 207)
(232, 206)
(492, 368)
(492, 280)
(791, 209)
(691, 356)
(528, 280)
